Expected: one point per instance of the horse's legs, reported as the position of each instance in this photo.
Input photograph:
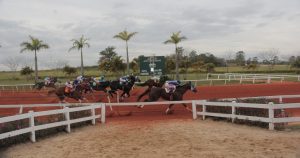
(144, 93)
(169, 111)
(186, 107)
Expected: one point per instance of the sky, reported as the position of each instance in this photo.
(215, 26)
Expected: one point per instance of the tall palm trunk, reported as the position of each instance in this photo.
(127, 59)
(176, 56)
(81, 68)
(36, 67)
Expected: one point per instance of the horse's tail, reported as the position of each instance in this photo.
(51, 91)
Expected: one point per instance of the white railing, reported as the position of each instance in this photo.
(270, 119)
(269, 77)
(67, 122)
(279, 97)
(16, 87)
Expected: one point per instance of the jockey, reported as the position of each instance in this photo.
(170, 86)
(69, 87)
(101, 79)
(78, 80)
(124, 80)
(47, 80)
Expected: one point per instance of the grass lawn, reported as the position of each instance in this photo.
(10, 78)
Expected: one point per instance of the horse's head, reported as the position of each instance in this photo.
(163, 79)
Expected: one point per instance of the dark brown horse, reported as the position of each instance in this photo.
(152, 83)
(126, 88)
(158, 92)
(40, 85)
(77, 94)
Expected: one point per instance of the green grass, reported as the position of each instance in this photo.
(11, 78)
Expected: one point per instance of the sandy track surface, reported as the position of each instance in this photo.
(168, 138)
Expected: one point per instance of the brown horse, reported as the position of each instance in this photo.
(40, 85)
(158, 92)
(77, 94)
(152, 83)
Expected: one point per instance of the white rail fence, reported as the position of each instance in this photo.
(271, 107)
(67, 121)
(195, 103)
(253, 77)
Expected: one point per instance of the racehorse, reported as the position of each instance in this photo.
(151, 83)
(158, 92)
(126, 88)
(61, 94)
(40, 85)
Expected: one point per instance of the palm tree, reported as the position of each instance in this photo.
(125, 36)
(79, 44)
(175, 39)
(34, 45)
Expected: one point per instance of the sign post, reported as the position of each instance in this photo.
(152, 65)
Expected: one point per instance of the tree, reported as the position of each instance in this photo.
(228, 58)
(79, 45)
(296, 63)
(34, 45)
(118, 64)
(270, 57)
(125, 36)
(69, 70)
(170, 64)
(134, 65)
(292, 59)
(210, 67)
(240, 58)
(106, 57)
(27, 71)
(175, 38)
(12, 63)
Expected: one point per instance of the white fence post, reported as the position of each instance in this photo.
(203, 110)
(269, 79)
(21, 109)
(271, 116)
(67, 117)
(31, 125)
(233, 111)
(280, 99)
(207, 76)
(93, 114)
(194, 108)
(103, 113)
(241, 79)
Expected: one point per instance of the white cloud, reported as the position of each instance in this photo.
(210, 25)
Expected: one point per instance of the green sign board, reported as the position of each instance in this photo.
(152, 65)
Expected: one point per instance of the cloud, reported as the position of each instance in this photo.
(209, 25)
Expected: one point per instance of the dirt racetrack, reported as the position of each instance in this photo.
(204, 92)
(148, 132)
(174, 138)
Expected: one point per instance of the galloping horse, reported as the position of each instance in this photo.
(40, 85)
(151, 83)
(126, 88)
(61, 94)
(157, 92)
